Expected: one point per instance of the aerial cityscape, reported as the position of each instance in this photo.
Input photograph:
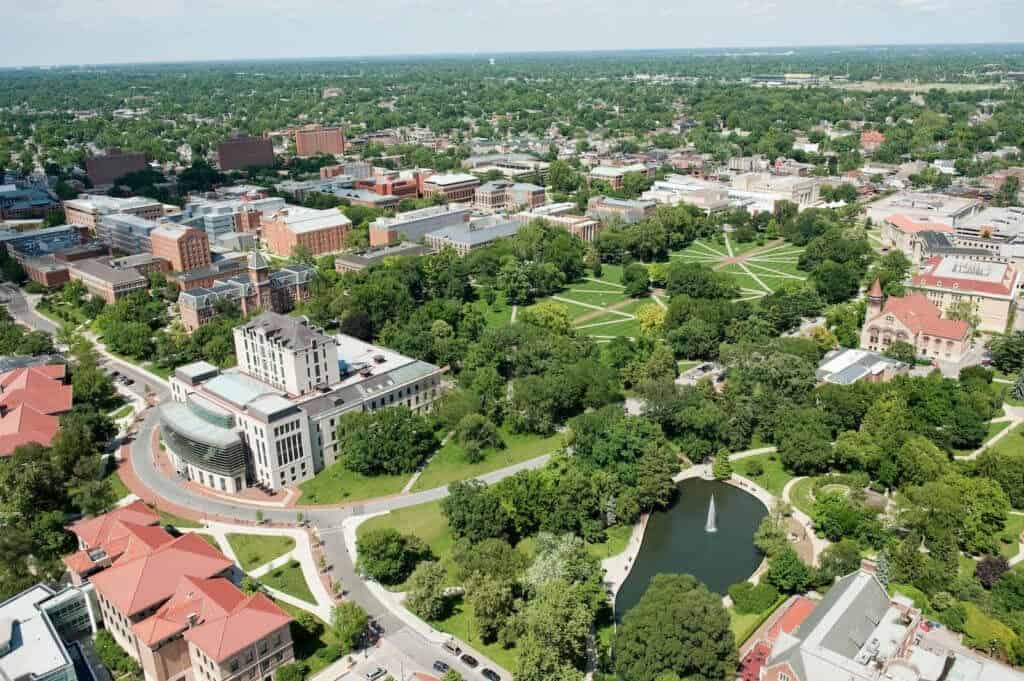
(586, 356)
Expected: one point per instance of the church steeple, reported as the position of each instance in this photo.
(875, 299)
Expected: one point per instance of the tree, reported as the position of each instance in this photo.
(722, 467)
(750, 598)
(289, 672)
(493, 601)
(787, 572)
(388, 556)
(989, 569)
(679, 627)
(385, 442)
(476, 430)
(636, 280)
(548, 314)
(902, 351)
(426, 590)
(349, 621)
(1008, 193)
(838, 560)
(652, 319)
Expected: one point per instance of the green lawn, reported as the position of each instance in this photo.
(498, 314)
(611, 274)
(254, 550)
(615, 543)
(449, 463)
(122, 412)
(116, 485)
(744, 625)
(175, 520)
(1011, 442)
(289, 579)
(426, 521)
(624, 327)
(980, 629)
(993, 430)
(800, 495)
(774, 477)
(336, 483)
(600, 295)
(1008, 539)
(459, 624)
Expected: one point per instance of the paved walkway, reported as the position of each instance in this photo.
(736, 456)
(1014, 416)
(817, 543)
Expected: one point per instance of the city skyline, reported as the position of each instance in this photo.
(227, 30)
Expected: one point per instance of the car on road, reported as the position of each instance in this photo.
(490, 674)
(452, 647)
(441, 667)
(376, 673)
(469, 661)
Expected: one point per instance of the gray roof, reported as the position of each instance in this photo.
(196, 371)
(291, 332)
(271, 407)
(101, 270)
(238, 388)
(369, 257)
(474, 236)
(342, 398)
(189, 424)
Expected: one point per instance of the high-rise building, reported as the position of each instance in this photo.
(240, 153)
(185, 248)
(316, 140)
(113, 165)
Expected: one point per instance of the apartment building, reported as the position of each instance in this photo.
(990, 287)
(184, 248)
(113, 165)
(628, 211)
(320, 231)
(240, 153)
(413, 225)
(317, 140)
(272, 420)
(87, 209)
(258, 288)
(454, 186)
(104, 281)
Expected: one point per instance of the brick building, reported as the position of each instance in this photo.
(454, 186)
(88, 209)
(321, 231)
(317, 140)
(107, 282)
(183, 247)
(113, 165)
(239, 153)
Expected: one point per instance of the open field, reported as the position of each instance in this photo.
(599, 308)
(773, 478)
(758, 270)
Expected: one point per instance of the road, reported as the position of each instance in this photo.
(328, 521)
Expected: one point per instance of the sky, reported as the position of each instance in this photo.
(49, 32)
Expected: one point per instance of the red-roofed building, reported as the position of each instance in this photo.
(991, 287)
(870, 140)
(915, 320)
(31, 398)
(125, 533)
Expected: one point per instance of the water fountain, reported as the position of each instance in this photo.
(711, 525)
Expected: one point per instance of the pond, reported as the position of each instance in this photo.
(676, 541)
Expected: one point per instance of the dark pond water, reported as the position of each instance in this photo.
(676, 542)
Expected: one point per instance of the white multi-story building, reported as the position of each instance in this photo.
(271, 422)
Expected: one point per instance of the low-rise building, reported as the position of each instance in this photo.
(677, 189)
(770, 189)
(472, 235)
(413, 225)
(912, 319)
(184, 248)
(26, 202)
(504, 195)
(367, 198)
(360, 260)
(614, 176)
(628, 211)
(319, 231)
(222, 267)
(104, 281)
(357, 170)
(218, 216)
(904, 234)
(143, 263)
(36, 638)
(257, 289)
(870, 140)
(563, 215)
(128, 234)
(31, 400)
(87, 209)
(998, 230)
(922, 207)
(273, 420)
(990, 287)
(454, 186)
(848, 365)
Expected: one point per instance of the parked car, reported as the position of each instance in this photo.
(452, 647)
(378, 673)
(490, 675)
(441, 667)
(469, 660)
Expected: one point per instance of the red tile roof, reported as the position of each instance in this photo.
(201, 600)
(910, 225)
(249, 621)
(39, 387)
(102, 529)
(921, 316)
(23, 425)
(794, 616)
(964, 284)
(134, 585)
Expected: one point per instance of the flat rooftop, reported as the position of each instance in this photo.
(36, 649)
(446, 179)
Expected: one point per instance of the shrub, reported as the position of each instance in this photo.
(989, 569)
(754, 468)
(753, 598)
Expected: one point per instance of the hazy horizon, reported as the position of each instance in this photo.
(116, 32)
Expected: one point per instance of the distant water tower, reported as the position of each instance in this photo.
(491, 61)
